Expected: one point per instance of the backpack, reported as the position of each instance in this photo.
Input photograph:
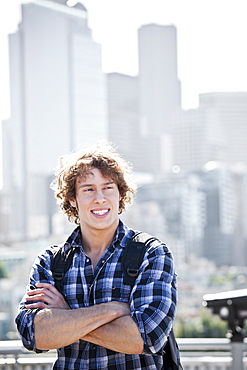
(131, 261)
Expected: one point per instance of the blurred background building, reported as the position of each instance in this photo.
(58, 102)
(190, 164)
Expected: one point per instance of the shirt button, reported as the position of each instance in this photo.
(103, 261)
(87, 260)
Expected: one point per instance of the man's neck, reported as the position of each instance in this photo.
(96, 244)
(97, 240)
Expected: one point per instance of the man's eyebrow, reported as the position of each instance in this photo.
(85, 185)
(105, 183)
(109, 182)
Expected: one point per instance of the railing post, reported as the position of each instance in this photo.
(237, 355)
(236, 336)
(16, 364)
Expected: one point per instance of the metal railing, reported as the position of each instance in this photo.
(196, 354)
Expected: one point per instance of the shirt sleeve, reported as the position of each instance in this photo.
(40, 273)
(154, 298)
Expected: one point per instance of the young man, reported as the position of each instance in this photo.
(96, 321)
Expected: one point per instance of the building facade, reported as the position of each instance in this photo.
(123, 115)
(225, 189)
(215, 131)
(58, 103)
(159, 94)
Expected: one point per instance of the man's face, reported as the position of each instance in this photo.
(97, 202)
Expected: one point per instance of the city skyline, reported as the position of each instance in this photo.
(211, 36)
(54, 87)
(210, 59)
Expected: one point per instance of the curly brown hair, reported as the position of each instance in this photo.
(102, 156)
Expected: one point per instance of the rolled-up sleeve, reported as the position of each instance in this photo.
(154, 298)
(25, 327)
(24, 320)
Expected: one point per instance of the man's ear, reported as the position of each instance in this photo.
(73, 202)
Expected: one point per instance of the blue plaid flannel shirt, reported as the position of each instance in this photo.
(152, 302)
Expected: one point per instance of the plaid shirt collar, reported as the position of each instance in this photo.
(121, 236)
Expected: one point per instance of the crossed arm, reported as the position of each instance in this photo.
(107, 324)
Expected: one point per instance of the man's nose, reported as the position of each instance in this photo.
(99, 196)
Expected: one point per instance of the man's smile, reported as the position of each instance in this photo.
(100, 212)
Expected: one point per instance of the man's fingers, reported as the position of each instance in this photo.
(45, 294)
(40, 295)
(49, 287)
(39, 300)
(44, 288)
(36, 305)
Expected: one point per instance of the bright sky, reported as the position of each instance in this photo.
(211, 37)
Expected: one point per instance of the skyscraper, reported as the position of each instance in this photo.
(159, 87)
(123, 115)
(58, 102)
(225, 192)
(215, 131)
(159, 92)
(231, 110)
(198, 137)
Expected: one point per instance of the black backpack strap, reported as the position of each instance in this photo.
(60, 264)
(131, 261)
(133, 256)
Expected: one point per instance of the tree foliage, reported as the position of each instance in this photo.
(206, 325)
(3, 271)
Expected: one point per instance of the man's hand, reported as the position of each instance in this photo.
(45, 296)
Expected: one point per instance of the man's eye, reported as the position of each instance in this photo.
(88, 189)
(109, 187)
